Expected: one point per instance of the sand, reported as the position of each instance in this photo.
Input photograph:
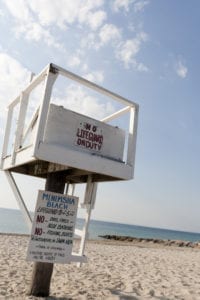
(115, 270)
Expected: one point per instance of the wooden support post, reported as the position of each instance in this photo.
(42, 272)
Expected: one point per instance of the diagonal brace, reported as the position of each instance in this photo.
(19, 199)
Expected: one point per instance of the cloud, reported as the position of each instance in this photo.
(141, 67)
(33, 31)
(125, 51)
(122, 4)
(181, 69)
(96, 19)
(140, 5)
(85, 67)
(26, 25)
(89, 42)
(14, 78)
(1, 13)
(74, 61)
(19, 10)
(64, 12)
(34, 20)
(128, 50)
(38, 21)
(95, 76)
(109, 32)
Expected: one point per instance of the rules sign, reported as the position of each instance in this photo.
(53, 228)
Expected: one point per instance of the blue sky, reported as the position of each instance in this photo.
(144, 50)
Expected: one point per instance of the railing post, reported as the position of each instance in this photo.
(44, 107)
(7, 134)
(132, 135)
(89, 200)
(20, 124)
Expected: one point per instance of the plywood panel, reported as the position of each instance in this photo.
(80, 133)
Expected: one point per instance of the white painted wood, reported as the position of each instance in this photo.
(40, 77)
(79, 160)
(116, 114)
(29, 127)
(84, 232)
(66, 188)
(78, 232)
(36, 80)
(73, 189)
(14, 102)
(44, 108)
(20, 124)
(7, 135)
(90, 193)
(132, 137)
(70, 189)
(19, 199)
(34, 83)
(78, 258)
(23, 156)
(99, 161)
(93, 194)
(32, 76)
(75, 131)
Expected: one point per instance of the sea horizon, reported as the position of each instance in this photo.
(12, 221)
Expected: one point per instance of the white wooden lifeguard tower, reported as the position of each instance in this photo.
(56, 138)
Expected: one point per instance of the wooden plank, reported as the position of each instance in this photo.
(81, 133)
(80, 160)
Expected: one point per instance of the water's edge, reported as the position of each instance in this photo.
(12, 222)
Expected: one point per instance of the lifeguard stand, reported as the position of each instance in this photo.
(56, 138)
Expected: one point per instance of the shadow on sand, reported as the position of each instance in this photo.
(123, 296)
(57, 298)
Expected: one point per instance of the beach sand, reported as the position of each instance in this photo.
(115, 270)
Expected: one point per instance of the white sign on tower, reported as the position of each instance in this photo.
(53, 228)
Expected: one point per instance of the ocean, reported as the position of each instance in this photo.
(11, 221)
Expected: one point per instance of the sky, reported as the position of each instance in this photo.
(144, 50)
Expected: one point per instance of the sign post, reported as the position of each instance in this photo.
(42, 271)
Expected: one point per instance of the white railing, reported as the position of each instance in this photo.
(49, 75)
